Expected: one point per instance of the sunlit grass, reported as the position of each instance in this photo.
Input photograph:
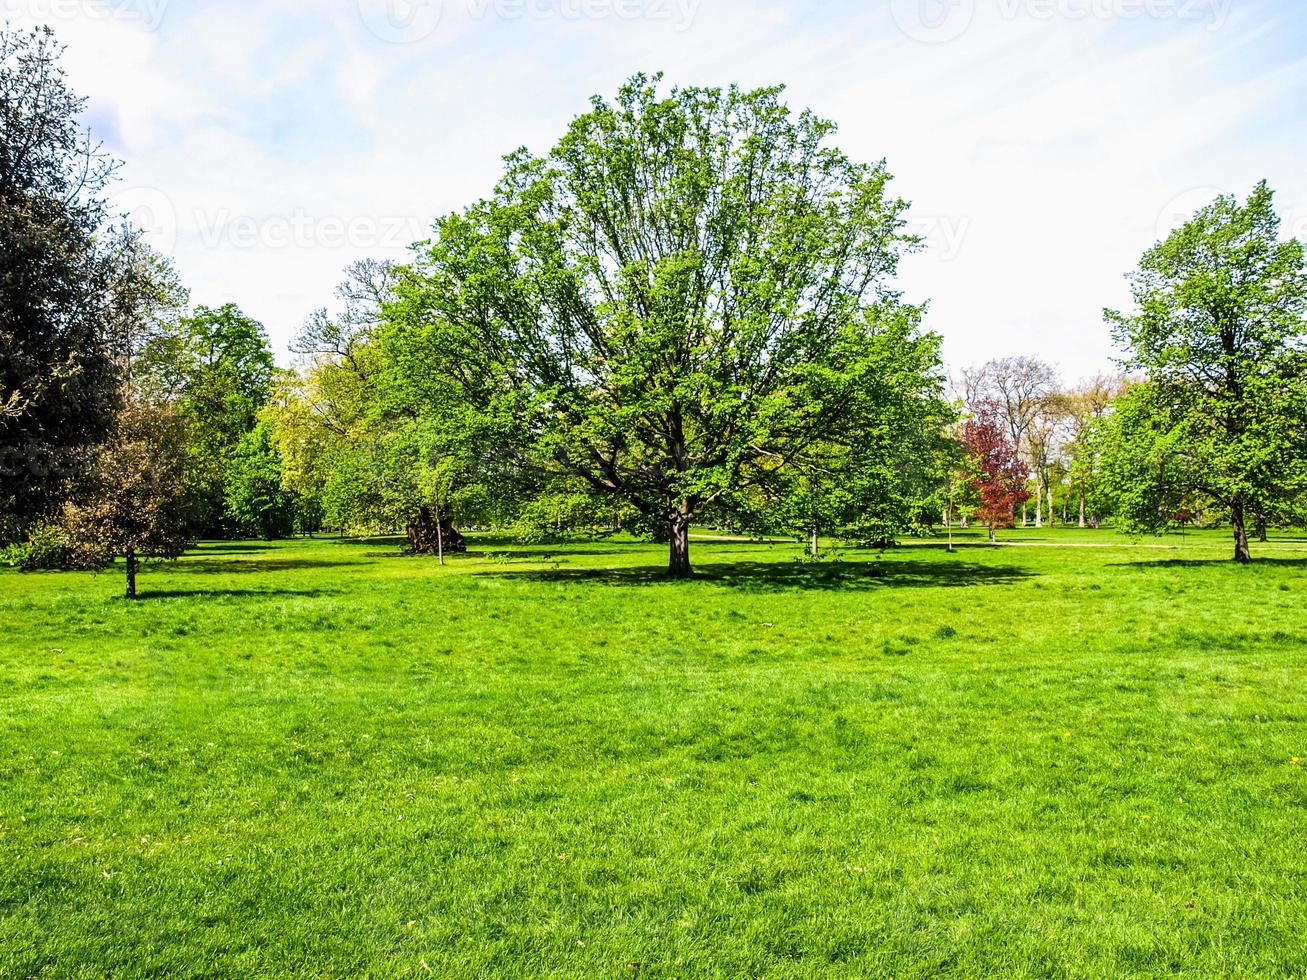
(1071, 755)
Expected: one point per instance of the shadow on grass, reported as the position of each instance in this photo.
(147, 593)
(379, 541)
(257, 567)
(753, 576)
(493, 555)
(224, 548)
(1213, 563)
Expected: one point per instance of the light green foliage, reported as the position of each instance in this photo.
(321, 759)
(306, 440)
(376, 427)
(559, 516)
(669, 302)
(1219, 329)
(881, 467)
(462, 463)
(146, 304)
(1088, 406)
(219, 369)
(46, 547)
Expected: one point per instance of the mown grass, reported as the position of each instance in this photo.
(1072, 756)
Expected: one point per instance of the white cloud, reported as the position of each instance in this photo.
(1042, 145)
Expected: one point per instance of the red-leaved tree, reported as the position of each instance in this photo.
(1000, 478)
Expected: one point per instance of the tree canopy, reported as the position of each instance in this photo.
(58, 384)
(1219, 330)
(671, 305)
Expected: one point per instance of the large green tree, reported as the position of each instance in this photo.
(1219, 331)
(668, 306)
(58, 383)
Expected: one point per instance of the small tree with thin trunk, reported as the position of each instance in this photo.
(1021, 391)
(134, 504)
(1219, 329)
(998, 475)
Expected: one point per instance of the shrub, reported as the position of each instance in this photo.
(45, 548)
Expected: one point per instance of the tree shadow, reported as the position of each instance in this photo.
(225, 548)
(755, 576)
(493, 555)
(1212, 563)
(378, 541)
(147, 593)
(258, 567)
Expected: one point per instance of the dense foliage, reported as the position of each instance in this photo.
(670, 307)
(1219, 328)
(58, 389)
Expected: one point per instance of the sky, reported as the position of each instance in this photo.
(1044, 144)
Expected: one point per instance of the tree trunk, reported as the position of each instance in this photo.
(132, 564)
(816, 543)
(1241, 553)
(679, 565)
(993, 536)
(1260, 523)
(1082, 506)
(440, 533)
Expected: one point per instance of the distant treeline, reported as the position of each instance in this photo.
(685, 314)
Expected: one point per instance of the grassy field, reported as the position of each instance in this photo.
(1074, 755)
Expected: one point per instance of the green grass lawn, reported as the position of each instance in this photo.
(1075, 755)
